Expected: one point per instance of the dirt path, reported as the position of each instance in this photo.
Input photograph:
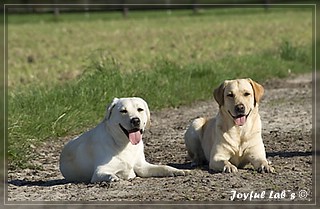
(286, 112)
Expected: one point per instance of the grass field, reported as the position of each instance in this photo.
(62, 73)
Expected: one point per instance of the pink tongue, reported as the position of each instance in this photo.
(135, 137)
(240, 121)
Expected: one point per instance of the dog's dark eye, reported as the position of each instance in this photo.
(246, 94)
(140, 109)
(123, 111)
(230, 95)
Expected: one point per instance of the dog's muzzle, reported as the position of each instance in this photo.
(135, 134)
(241, 118)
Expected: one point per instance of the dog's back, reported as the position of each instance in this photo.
(76, 159)
(193, 140)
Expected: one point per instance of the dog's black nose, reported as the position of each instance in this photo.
(240, 109)
(135, 122)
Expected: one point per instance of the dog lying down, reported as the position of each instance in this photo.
(233, 138)
(113, 150)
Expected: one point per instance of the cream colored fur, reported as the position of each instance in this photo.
(231, 139)
(105, 152)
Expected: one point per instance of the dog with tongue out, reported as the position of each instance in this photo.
(232, 139)
(113, 150)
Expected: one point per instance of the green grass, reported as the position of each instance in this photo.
(39, 113)
(189, 56)
(47, 52)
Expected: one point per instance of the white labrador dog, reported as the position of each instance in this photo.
(233, 138)
(113, 150)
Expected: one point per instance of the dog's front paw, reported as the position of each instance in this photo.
(229, 168)
(266, 168)
(185, 172)
(178, 172)
(113, 178)
(104, 178)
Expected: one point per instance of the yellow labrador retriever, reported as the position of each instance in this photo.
(113, 150)
(233, 138)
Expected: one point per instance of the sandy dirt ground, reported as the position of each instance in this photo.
(286, 113)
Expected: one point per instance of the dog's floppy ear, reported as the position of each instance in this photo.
(110, 108)
(257, 89)
(218, 93)
(148, 114)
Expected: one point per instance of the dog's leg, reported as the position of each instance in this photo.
(229, 167)
(265, 167)
(222, 166)
(219, 160)
(257, 157)
(192, 139)
(103, 174)
(146, 169)
(262, 165)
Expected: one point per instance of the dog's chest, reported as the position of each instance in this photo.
(130, 155)
(122, 164)
(238, 141)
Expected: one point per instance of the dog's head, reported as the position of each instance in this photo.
(238, 98)
(130, 116)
